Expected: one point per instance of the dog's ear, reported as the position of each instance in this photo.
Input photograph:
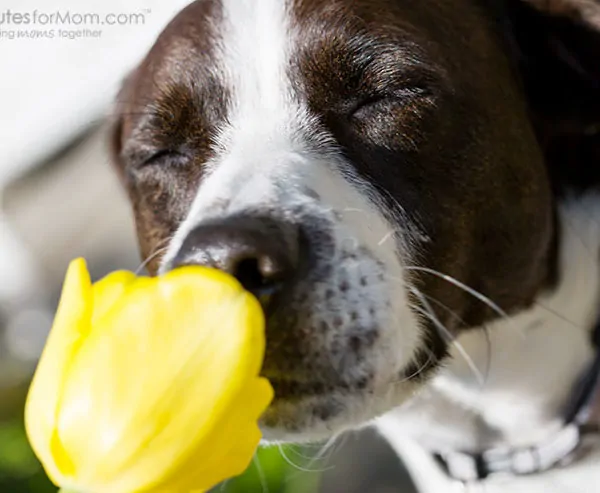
(558, 54)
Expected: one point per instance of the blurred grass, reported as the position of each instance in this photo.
(271, 473)
(20, 471)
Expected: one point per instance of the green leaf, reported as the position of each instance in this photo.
(16, 456)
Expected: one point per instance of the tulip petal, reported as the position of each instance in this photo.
(70, 329)
(107, 291)
(165, 393)
(227, 449)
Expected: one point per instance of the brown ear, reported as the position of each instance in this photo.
(559, 59)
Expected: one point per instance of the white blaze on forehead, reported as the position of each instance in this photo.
(255, 46)
(255, 143)
(256, 56)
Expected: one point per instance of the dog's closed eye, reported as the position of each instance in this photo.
(388, 101)
(164, 157)
(138, 158)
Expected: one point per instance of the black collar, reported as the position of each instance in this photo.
(581, 418)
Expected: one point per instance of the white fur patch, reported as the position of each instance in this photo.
(536, 357)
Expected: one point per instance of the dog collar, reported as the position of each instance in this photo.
(582, 422)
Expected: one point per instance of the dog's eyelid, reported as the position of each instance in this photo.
(140, 157)
(161, 155)
(403, 95)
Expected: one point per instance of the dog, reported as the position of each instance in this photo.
(411, 188)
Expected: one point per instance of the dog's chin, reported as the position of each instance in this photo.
(321, 412)
(306, 418)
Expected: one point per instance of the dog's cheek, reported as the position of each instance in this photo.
(161, 199)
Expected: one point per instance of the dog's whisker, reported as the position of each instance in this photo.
(261, 474)
(149, 259)
(536, 303)
(459, 347)
(321, 456)
(428, 311)
(519, 331)
(159, 249)
(388, 235)
(493, 305)
(328, 449)
(473, 292)
(420, 370)
(443, 306)
(486, 331)
(300, 454)
(296, 466)
(560, 316)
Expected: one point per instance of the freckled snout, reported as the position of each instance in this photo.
(330, 338)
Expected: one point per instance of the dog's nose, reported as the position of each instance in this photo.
(261, 253)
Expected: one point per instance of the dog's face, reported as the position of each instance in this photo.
(340, 158)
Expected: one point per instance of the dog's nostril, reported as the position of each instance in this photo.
(248, 274)
(259, 276)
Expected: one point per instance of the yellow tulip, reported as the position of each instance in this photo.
(149, 384)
